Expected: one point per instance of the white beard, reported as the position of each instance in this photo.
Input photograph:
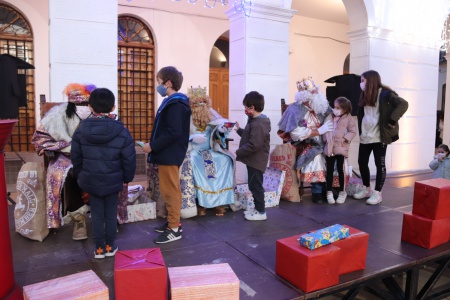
(56, 123)
(319, 104)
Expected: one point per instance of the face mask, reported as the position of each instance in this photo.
(249, 113)
(337, 112)
(362, 85)
(162, 90)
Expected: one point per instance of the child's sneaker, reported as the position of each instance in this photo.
(363, 193)
(330, 197)
(164, 226)
(168, 236)
(249, 211)
(341, 197)
(375, 198)
(256, 216)
(99, 253)
(110, 251)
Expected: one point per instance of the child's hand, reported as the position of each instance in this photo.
(236, 126)
(146, 148)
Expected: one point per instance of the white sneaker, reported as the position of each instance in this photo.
(248, 212)
(330, 198)
(256, 216)
(341, 198)
(363, 193)
(375, 198)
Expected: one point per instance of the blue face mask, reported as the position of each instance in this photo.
(162, 90)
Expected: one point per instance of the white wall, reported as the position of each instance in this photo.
(36, 13)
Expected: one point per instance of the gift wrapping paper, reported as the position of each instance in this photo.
(324, 236)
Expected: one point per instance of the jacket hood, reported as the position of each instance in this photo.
(177, 98)
(100, 130)
(263, 120)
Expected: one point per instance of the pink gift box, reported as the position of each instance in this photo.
(83, 285)
(216, 281)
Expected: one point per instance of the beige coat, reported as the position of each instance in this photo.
(338, 141)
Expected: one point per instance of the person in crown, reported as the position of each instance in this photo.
(303, 125)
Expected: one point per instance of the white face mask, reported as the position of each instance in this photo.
(337, 112)
(83, 112)
(362, 85)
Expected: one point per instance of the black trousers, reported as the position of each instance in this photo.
(339, 159)
(255, 185)
(379, 155)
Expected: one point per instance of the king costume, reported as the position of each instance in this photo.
(306, 114)
(207, 173)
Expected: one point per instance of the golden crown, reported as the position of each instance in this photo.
(198, 92)
(306, 84)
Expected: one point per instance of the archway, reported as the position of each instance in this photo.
(219, 75)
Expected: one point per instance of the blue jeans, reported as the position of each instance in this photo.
(104, 219)
(316, 187)
(255, 185)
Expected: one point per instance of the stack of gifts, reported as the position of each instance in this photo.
(273, 183)
(428, 225)
(83, 285)
(315, 260)
(134, 205)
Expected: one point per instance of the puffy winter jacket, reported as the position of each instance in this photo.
(441, 168)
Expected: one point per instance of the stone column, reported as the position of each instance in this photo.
(259, 61)
(83, 44)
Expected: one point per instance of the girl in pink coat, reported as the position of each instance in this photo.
(338, 144)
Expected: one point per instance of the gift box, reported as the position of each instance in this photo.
(353, 251)
(134, 205)
(141, 212)
(324, 236)
(83, 285)
(309, 270)
(424, 232)
(432, 198)
(140, 274)
(273, 183)
(215, 281)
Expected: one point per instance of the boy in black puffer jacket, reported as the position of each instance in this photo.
(103, 158)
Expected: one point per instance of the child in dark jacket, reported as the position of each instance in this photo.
(103, 158)
(254, 150)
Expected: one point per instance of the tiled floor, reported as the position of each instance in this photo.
(249, 247)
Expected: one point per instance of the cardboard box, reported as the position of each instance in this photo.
(425, 232)
(83, 285)
(215, 281)
(140, 274)
(353, 251)
(324, 236)
(309, 270)
(432, 198)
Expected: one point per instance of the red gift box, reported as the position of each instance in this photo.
(140, 274)
(307, 269)
(432, 198)
(425, 232)
(353, 251)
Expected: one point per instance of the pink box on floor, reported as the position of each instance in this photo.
(353, 252)
(83, 285)
(432, 198)
(215, 281)
(140, 274)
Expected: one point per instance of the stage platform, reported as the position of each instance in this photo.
(394, 269)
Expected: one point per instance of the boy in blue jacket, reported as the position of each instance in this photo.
(103, 158)
(168, 146)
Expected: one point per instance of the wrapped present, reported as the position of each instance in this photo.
(215, 281)
(353, 251)
(424, 232)
(309, 270)
(141, 212)
(134, 205)
(140, 274)
(83, 285)
(432, 198)
(324, 236)
(273, 185)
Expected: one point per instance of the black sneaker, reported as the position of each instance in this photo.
(111, 251)
(167, 236)
(164, 226)
(99, 253)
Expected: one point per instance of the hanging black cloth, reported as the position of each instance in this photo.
(13, 91)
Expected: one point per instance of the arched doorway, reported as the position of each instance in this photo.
(219, 75)
(136, 68)
(16, 39)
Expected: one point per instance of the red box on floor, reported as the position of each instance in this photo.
(140, 274)
(353, 251)
(432, 198)
(309, 270)
(425, 232)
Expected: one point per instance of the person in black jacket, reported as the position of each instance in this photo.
(379, 110)
(104, 158)
(168, 146)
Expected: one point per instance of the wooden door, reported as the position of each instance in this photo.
(218, 90)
